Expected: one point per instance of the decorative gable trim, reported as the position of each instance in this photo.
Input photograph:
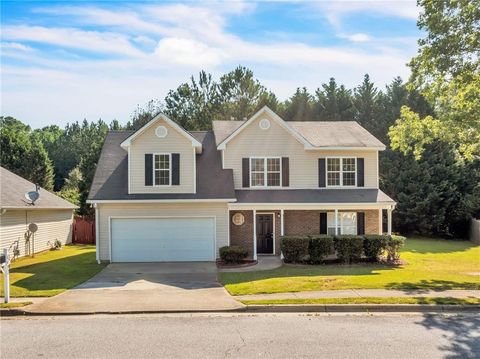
(276, 118)
(197, 145)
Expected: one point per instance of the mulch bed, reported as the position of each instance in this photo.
(245, 263)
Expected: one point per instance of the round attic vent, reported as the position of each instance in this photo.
(264, 124)
(161, 131)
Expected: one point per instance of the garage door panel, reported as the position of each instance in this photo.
(162, 239)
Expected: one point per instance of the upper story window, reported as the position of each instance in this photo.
(265, 172)
(341, 171)
(162, 169)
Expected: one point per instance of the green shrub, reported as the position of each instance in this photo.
(233, 254)
(393, 247)
(349, 248)
(374, 245)
(294, 248)
(319, 247)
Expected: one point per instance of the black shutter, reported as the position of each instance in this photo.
(285, 172)
(323, 222)
(360, 223)
(175, 169)
(321, 172)
(360, 172)
(245, 172)
(148, 169)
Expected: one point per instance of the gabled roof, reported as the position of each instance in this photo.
(14, 187)
(275, 117)
(178, 128)
(328, 135)
(110, 182)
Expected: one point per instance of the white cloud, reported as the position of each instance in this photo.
(358, 37)
(154, 48)
(188, 52)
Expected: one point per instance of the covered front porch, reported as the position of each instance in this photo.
(259, 227)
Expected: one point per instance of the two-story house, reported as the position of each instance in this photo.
(165, 194)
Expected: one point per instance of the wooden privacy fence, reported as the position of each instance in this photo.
(83, 230)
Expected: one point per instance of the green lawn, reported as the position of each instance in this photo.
(368, 300)
(430, 264)
(52, 272)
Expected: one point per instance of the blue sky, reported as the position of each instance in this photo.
(64, 61)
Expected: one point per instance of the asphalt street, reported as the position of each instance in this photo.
(292, 335)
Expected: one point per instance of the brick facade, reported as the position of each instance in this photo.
(297, 222)
(242, 235)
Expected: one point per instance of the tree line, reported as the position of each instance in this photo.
(430, 126)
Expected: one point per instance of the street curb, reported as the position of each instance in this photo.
(26, 313)
(357, 308)
(279, 308)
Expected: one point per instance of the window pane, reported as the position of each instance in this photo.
(349, 164)
(162, 162)
(273, 164)
(257, 164)
(349, 218)
(273, 179)
(333, 164)
(257, 179)
(349, 178)
(331, 231)
(162, 177)
(333, 178)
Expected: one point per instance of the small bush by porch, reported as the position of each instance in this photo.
(435, 264)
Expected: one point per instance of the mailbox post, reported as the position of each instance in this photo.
(6, 275)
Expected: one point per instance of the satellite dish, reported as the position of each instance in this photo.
(32, 196)
(32, 227)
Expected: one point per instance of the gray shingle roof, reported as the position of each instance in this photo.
(14, 187)
(317, 133)
(110, 180)
(357, 195)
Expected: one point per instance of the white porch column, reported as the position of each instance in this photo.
(380, 221)
(282, 227)
(389, 213)
(336, 221)
(255, 234)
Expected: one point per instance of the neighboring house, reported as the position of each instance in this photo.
(165, 194)
(52, 215)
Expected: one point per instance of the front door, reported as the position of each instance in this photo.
(265, 233)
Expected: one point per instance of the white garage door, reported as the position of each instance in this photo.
(162, 239)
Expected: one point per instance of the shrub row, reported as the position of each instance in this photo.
(233, 254)
(349, 248)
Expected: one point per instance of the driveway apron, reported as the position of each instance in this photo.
(144, 287)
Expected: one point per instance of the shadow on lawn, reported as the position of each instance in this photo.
(58, 273)
(424, 286)
(291, 270)
(462, 333)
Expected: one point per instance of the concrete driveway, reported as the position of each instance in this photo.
(144, 287)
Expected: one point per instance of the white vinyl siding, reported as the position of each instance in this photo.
(277, 142)
(217, 210)
(174, 142)
(52, 224)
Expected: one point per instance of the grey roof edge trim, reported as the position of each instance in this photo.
(29, 207)
(181, 200)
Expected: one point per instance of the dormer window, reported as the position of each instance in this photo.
(162, 170)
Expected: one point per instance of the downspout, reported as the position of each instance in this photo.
(97, 238)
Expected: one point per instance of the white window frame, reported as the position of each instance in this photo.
(341, 171)
(265, 170)
(340, 222)
(169, 169)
